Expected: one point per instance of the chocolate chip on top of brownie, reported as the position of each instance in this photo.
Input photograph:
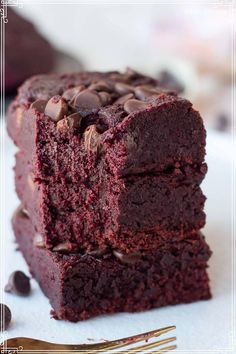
(131, 91)
(80, 102)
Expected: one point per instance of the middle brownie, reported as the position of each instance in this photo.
(136, 212)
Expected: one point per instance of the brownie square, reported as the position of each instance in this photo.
(80, 286)
(108, 159)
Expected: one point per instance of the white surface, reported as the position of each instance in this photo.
(201, 326)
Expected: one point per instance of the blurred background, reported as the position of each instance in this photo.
(188, 47)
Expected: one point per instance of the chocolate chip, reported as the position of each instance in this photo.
(133, 105)
(5, 317)
(87, 102)
(105, 98)
(63, 247)
(122, 88)
(38, 241)
(100, 86)
(69, 94)
(18, 283)
(70, 123)
(39, 105)
(56, 108)
(143, 92)
(131, 258)
(124, 98)
(91, 139)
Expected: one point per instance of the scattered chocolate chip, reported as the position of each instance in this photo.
(56, 108)
(39, 105)
(5, 317)
(18, 283)
(123, 99)
(100, 86)
(131, 258)
(87, 101)
(69, 94)
(38, 241)
(122, 88)
(70, 123)
(105, 98)
(133, 105)
(63, 247)
(143, 92)
(91, 138)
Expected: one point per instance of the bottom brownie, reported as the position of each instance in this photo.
(80, 286)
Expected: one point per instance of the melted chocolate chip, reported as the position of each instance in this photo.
(124, 98)
(38, 241)
(39, 105)
(122, 88)
(100, 86)
(70, 123)
(133, 105)
(87, 102)
(92, 139)
(5, 317)
(143, 92)
(105, 98)
(131, 258)
(18, 283)
(56, 108)
(69, 94)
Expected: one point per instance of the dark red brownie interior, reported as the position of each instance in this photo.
(111, 159)
(80, 286)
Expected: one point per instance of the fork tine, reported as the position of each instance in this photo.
(165, 350)
(150, 345)
(120, 343)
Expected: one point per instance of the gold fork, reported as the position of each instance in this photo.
(21, 344)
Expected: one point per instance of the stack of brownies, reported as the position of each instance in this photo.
(108, 173)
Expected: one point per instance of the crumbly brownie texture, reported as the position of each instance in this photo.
(133, 213)
(27, 52)
(100, 148)
(80, 286)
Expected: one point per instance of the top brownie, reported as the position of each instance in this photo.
(137, 126)
(108, 159)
